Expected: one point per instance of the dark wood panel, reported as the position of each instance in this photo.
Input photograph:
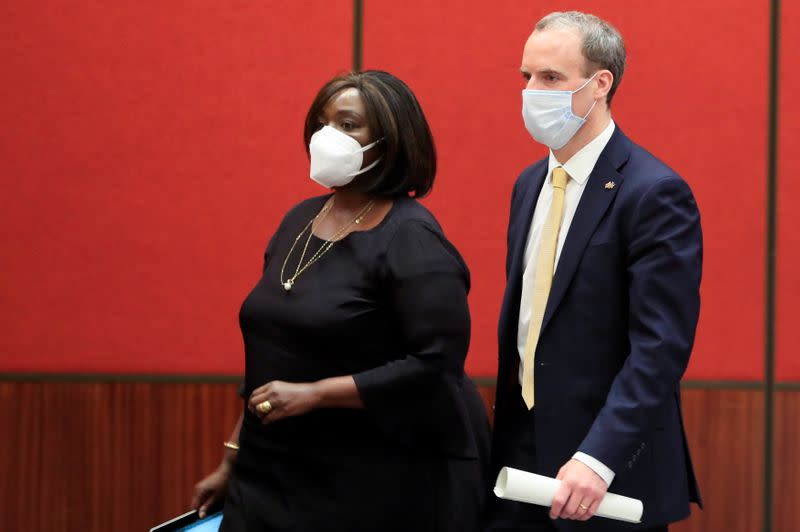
(107, 456)
(121, 456)
(726, 432)
(786, 486)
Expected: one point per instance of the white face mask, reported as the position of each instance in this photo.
(548, 115)
(336, 158)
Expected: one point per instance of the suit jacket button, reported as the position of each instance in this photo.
(630, 464)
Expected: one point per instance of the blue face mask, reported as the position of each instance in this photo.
(549, 118)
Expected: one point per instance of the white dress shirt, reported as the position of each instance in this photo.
(579, 167)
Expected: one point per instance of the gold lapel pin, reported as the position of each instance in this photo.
(609, 185)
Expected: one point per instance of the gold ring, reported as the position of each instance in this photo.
(582, 507)
(264, 407)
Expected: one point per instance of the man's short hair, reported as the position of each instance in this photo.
(603, 47)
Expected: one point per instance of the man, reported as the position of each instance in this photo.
(602, 299)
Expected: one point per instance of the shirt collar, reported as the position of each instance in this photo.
(580, 165)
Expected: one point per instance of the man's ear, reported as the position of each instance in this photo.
(604, 81)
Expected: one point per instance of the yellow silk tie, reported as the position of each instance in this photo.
(545, 265)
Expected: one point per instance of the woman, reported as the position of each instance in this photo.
(358, 414)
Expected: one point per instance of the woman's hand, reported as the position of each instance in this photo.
(211, 490)
(286, 399)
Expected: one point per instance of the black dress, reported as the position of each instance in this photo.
(388, 306)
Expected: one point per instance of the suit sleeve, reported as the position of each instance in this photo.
(664, 269)
(417, 398)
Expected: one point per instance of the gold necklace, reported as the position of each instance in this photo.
(328, 244)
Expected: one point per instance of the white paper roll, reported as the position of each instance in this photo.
(522, 486)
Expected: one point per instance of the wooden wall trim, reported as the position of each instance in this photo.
(123, 456)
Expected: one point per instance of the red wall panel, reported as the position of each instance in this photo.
(149, 150)
(684, 97)
(788, 288)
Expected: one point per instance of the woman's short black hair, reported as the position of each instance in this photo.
(408, 166)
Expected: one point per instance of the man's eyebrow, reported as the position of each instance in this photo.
(542, 71)
(549, 71)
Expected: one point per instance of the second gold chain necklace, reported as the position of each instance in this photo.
(328, 244)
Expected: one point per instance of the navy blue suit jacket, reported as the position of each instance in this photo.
(617, 333)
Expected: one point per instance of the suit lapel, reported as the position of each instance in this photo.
(524, 225)
(521, 223)
(596, 198)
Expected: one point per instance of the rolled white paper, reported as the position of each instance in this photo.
(522, 486)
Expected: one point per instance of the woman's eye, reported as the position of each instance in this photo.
(348, 126)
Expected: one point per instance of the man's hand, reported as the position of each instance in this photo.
(580, 493)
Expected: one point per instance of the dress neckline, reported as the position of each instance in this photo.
(379, 225)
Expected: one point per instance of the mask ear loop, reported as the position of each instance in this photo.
(368, 168)
(371, 145)
(374, 163)
(589, 111)
(593, 102)
(587, 82)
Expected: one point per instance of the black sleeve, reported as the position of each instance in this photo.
(268, 254)
(417, 399)
(270, 251)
